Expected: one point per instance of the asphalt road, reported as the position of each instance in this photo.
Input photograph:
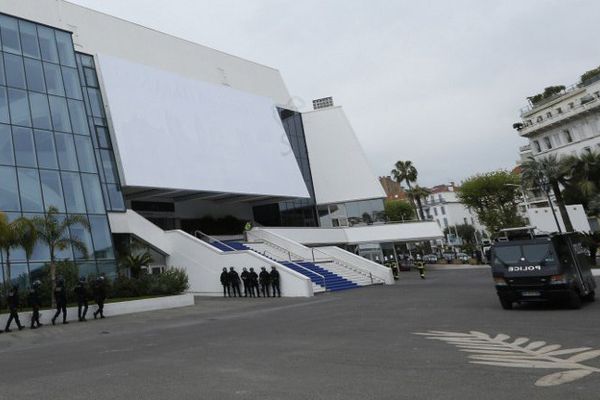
(358, 344)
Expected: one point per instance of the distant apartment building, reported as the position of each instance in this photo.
(393, 190)
(563, 121)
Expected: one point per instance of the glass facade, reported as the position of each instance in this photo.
(48, 146)
(353, 213)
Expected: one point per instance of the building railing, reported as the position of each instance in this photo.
(211, 240)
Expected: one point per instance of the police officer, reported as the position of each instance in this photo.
(35, 303)
(13, 304)
(274, 275)
(421, 268)
(99, 296)
(246, 282)
(225, 282)
(82, 299)
(254, 291)
(234, 279)
(265, 280)
(60, 296)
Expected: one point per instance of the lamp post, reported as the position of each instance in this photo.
(544, 184)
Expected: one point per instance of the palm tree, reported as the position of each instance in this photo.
(405, 171)
(585, 173)
(135, 262)
(417, 193)
(19, 233)
(550, 172)
(54, 231)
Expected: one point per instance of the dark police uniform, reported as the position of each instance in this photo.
(265, 280)
(254, 291)
(99, 297)
(60, 296)
(225, 283)
(35, 303)
(82, 299)
(274, 275)
(13, 304)
(234, 279)
(246, 282)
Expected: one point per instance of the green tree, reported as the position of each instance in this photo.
(465, 231)
(591, 240)
(494, 196)
(417, 194)
(20, 233)
(550, 173)
(399, 210)
(135, 262)
(53, 230)
(405, 171)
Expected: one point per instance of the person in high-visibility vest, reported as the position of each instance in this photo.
(421, 268)
(247, 228)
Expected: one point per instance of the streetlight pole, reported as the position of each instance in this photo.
(545, 185)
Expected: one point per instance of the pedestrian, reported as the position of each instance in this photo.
(274, 275)
(225, 282)
(60, 297)
(35, 303)
(246, 282)
(234, 280)
(254, 291)
(82, 299)
(421, 268)
(265, 280)
(12, 300)
(100, 296)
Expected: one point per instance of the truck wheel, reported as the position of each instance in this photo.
(574, 300)
(506, 304)
(591, 296)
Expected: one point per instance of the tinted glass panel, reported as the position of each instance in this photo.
(101, 236)
(6, 147)
(82, 234)
(90, 77)
(103, 139)
(60, 114)
(93, 193)
(10, 34)
(95, 102)
(110, 174)
(507, 255)
(24, 147)
(52, 190)
(54, 81)
(78, 118)
(9, 193)
(29, 40)
(65, 48)
(2, 80)
(85, 154)
(19, 107)
(35, 75)
(115, 197)
(538, 254)
(46, 152)
(29, 187)
(40, 113)
(3, 106)
(73, 192)
(65, 149)
(47, 44)
(15, 74)
(71, 81)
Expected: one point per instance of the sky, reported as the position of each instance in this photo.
(439, 82)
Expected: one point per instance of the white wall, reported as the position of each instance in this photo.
(543, 219)
(340, 169)
(179, 133)
(95, 32)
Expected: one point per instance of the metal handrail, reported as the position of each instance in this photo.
(212, 240)
(266, 253)
(346, 264)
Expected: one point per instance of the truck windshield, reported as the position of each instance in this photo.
(539, 254)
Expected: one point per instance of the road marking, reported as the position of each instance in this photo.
(521, 352)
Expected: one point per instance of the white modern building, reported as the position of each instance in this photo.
(145, 134)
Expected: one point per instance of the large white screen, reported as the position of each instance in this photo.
(178, 133)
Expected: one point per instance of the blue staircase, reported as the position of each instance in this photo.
(229, 246)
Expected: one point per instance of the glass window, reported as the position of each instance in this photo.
(53, 79)
(15, 75)
(40, 113)
(71, 81)
(66, 152)
(29, 187)
(65, 48)
(52, 190)
(19, 107)
(116, 197)
(24, 147)
(95, 102)
(29, 40)
(73, 192)
(40, 251)
(47, 44)
(4, 117)
(93, 194)
(90, 77)
(101, 236)
(78, 117)
(10, 34)
(2, 81)
(506, 255)
(103, 138)
(6, 147)
(68, 252)
(548, 142)
(107, 164)
(35, 75)
(87, 269)
(9, 193)
(85, 154)
(46, 152)
(60, 114)
(443, 210)
(79, 232)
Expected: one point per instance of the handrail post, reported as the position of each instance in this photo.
(312, 249)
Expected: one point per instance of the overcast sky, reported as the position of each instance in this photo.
(436, 82)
